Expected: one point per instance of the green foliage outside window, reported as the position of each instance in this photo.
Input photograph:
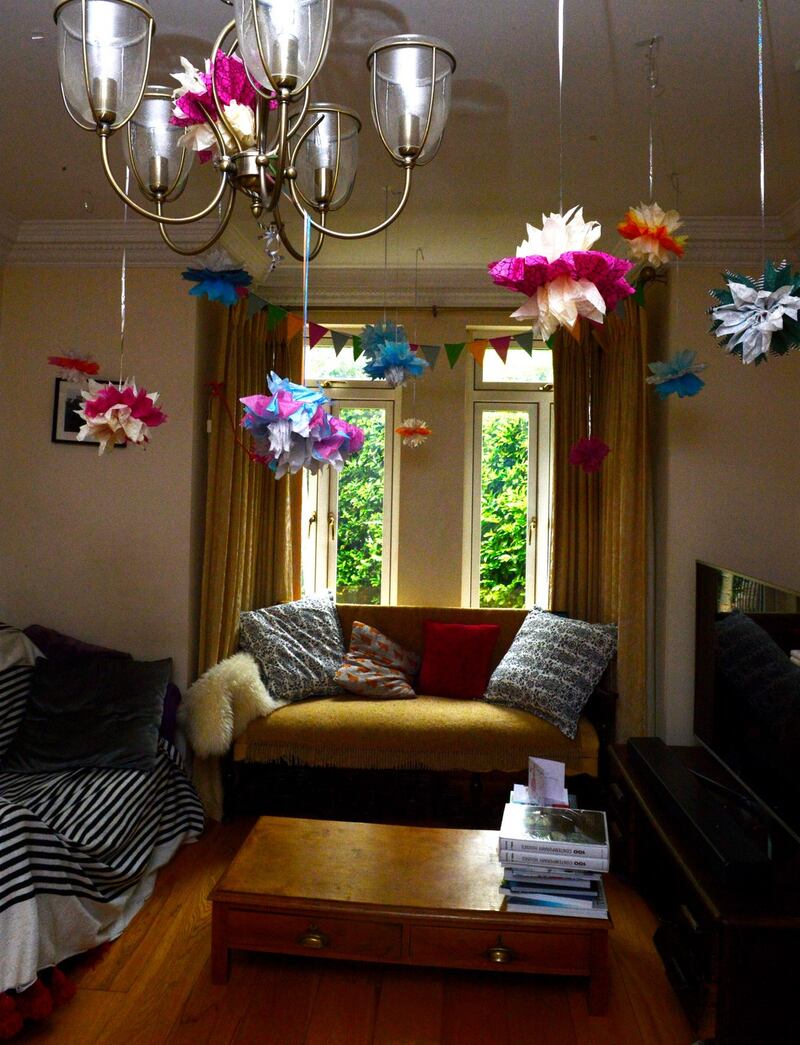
(359, 557)
(504, 508)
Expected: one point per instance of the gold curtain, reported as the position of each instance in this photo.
(252, 530)
(600, 521)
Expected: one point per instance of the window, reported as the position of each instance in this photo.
(351, 518)
(508, 489)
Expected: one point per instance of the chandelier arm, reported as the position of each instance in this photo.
(355, 235)
(326, 32)
(142, 210)
(429, 119)
(284, 237)
(189, 251)
(97, 122)
(229, 28)
(271, 197)
(293, 158)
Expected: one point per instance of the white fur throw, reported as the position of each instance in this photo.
(217, 708)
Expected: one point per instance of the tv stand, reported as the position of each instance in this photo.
(730, 948)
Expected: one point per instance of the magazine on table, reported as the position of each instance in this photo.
(554, 829)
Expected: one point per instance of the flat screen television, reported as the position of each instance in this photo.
(747, 687)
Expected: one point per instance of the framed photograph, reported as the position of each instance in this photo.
(66, 402)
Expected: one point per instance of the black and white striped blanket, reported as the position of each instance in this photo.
(79, 849)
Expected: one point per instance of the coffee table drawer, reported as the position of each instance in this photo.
(531, 951)
(308, 934)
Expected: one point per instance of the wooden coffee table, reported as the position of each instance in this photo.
(383, 893)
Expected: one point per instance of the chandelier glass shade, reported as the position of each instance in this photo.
(271, 144)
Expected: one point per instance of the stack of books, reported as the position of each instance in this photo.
(554, 859)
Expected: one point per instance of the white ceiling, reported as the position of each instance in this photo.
(498, 167)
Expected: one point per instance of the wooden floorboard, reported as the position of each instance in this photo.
(153, 986)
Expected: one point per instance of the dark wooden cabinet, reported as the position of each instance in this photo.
(731, 952)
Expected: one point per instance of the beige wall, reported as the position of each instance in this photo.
(726, 486)
(105, 548)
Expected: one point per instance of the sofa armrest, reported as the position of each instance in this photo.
(601, 711)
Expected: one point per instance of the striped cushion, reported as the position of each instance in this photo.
(16, 671)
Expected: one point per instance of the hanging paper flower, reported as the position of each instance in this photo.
(413, 431)
(589, 453)
(222, 279)
(237, 98)
(118, 414)
(650, 232)
(678, 374)
(388, 354)
(292, 430)
(75, 368)
(758, 316)
(562, 278)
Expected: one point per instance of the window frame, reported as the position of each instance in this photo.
(537, 398)
(321, 492)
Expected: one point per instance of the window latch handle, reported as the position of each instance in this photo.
(531, 529)
(312, 521)
(331, 526)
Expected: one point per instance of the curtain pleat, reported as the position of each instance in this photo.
(600, 521)
(252, 527)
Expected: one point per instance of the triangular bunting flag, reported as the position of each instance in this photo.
(551, 341)
(339, 339)
(254, 304)
(431, 353)
(274, 316)
(500, 345)
(315, 334)
(294, 324)
(477, 349)
(454, 351)
(414, 348)
(357, 349)
(525, 341)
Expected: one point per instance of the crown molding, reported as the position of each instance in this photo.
(9, 231)
(96, 243)
(721, 242)
(362, 287)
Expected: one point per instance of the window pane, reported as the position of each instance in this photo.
(359, 555)
(504, 507)
(519, 367)
(322, 364)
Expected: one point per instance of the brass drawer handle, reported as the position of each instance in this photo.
(313, 938)
(500, 955)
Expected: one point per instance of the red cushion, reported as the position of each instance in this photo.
(456, 660)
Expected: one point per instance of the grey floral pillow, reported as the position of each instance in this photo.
(552, 667)
(298, 646)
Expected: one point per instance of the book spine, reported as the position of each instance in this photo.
(561, 848)
(526, 858)
(515, 907)
(551, 899)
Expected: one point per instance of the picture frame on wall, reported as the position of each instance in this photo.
(66, 403)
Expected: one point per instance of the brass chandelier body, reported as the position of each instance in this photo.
(294, 150)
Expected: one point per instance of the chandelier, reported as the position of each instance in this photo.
(273, 146)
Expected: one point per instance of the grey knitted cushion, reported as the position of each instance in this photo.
(552, 667)
(298, 646)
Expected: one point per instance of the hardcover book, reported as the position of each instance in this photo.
(550, 829)
(550, 905)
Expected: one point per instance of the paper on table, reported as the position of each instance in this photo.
(546, 782)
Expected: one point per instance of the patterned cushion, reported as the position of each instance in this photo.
(552, 667)
(298, 646)
(376, 666)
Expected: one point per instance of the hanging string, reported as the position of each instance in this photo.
(417, 255)
(306, 252)
(762, 175)
(652, 83)
(561, 106)
(385, 251)
(123, 277)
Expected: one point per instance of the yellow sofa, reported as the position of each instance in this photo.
(427, 732)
